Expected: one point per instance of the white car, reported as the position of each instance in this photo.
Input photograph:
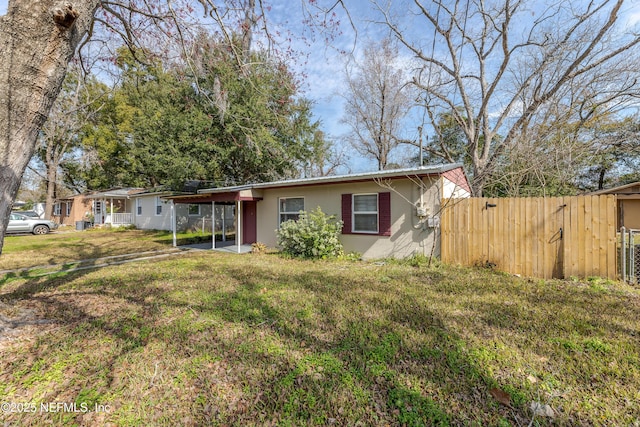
(19, 223)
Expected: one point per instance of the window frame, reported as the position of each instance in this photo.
(158, 204)
(280, 212)
(354, 213)
(57, 209)
(190, 205)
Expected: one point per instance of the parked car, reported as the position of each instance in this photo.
(31, 214)
(19, 223)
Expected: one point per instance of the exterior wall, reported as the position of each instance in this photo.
(62, 218)
(629, 213)
(79, 206)
(453, 190)
(148, 220)
(409, 236)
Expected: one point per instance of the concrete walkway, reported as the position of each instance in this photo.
(228, 247)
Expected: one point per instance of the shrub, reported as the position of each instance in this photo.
(313, 235)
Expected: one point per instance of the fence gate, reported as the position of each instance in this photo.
(630, 255)
(551, 237)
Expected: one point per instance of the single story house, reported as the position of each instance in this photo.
(390, 213)
(144, 209)
(111, 206)
(628, 204)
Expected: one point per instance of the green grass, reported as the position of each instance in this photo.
(220, 339)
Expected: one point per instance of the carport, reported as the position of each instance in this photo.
(243, 198)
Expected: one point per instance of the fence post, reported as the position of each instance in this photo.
(623, 254)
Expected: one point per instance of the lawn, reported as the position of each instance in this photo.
(219, 339)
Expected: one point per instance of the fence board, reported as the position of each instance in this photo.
(540, 237)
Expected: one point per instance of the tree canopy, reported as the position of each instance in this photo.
(227, 123)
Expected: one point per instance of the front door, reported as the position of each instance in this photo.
(98, 212)
(249, 223)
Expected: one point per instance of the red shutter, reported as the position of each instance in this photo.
(384, 207)
(346, 213)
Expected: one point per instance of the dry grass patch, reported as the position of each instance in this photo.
(21, 251)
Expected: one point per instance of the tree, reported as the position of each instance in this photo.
(166, 125)
(569, 158)
(77, 105)
(503, 68)
(264, 131)
(377, 101)
(447, 142)
(38, 38)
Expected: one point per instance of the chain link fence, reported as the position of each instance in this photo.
(629, 254)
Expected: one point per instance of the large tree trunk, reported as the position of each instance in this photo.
(52, 162)
(37, 40)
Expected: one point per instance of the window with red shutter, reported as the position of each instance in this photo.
(346, 214)
(366, 214)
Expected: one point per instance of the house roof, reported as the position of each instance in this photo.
(621, 189)
(365, 176)
(115, 193)
(246, 192)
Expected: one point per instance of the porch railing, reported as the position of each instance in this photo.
(119, 219)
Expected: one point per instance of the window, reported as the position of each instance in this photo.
(57, 209)
(138, 206)
(97, 207)
(68, 204)
(365, 213)
(289, 208)
(194, 210)
(158, 206)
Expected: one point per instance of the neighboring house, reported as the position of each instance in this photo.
(144, 209)
(391, 213)
(152, 211)
(111, 206)
(628, 201)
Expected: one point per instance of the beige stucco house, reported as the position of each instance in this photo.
(628, 201)
(391, 213)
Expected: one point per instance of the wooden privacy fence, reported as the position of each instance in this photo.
(554, 237)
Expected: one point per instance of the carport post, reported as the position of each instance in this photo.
(238, 226)
(224, 221)
(173, 223)
(213, 225)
